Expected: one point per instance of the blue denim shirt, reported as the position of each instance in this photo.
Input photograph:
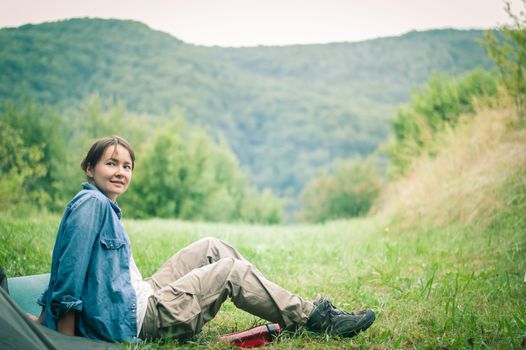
(90, 271)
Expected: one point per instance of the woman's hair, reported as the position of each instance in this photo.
(97, 150)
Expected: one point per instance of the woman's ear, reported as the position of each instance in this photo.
(89, 172)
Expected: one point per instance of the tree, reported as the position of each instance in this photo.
(37, 133)
(507, 47)
(18, 165)
(185, 174)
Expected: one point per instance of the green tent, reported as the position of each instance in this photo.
(17, 331)
(26, 290)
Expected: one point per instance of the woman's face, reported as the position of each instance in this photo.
(113, 172)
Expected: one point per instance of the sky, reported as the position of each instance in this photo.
(270, 22)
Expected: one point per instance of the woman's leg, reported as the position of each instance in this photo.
(181, 308)
(198, 254)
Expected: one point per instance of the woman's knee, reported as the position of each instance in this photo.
(204, 245)
(216, 249)
(210, 241)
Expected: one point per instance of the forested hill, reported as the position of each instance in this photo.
(287, 112)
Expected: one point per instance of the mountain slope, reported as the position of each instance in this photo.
(286, 111)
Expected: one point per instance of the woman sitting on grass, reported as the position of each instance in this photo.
(96, 291)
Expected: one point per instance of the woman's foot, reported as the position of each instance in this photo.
(325, 318)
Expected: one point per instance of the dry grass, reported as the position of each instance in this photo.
(462, 183)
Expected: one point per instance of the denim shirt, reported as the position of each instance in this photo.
(90, 270)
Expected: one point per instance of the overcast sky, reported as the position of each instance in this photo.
(270, 22)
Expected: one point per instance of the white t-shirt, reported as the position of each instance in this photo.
(143, 291)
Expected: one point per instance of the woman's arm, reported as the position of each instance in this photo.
(72, 252)
(66, 323)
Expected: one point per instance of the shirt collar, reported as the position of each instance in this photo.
(114, 205)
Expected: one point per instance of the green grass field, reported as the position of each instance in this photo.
(457, 287)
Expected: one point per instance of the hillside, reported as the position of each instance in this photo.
(476, 178)
(286, 111)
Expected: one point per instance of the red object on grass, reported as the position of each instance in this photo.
(253, 337)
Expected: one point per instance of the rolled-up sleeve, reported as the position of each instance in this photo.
(82, 228)
(42, 299)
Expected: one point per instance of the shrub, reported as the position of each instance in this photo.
(348, 192)
(437, 106)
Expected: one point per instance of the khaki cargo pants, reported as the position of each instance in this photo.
(191, 286)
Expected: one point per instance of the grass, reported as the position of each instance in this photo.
(454, 287)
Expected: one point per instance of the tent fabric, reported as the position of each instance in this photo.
(3, 280)
(17, 331)
(26, 290)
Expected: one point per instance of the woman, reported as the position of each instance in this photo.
(96, 290)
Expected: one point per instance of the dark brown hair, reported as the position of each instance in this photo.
(97, 150)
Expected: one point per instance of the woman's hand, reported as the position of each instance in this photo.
(32, 317)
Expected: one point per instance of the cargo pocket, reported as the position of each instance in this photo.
(179, 313)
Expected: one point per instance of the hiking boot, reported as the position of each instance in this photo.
(325, 318)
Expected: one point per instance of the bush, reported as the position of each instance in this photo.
(349, 192)
(437, 106)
